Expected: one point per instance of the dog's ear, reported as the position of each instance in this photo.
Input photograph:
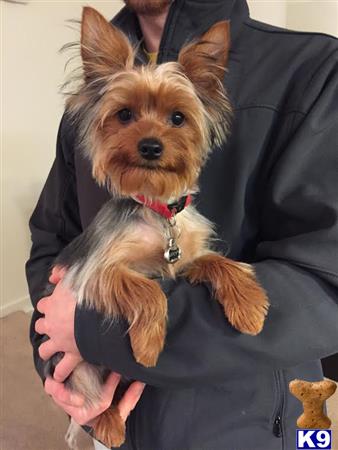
(104, 49)
(204, 60)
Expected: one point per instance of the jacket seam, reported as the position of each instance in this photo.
(251, 24)
(288, 133)
(316, 70)
(318, 269)
(69, 178)
(314, 73)
(170, 31)
(191, 422)
(270, 107)
(276, 394)
(63, 196)
(64, 137)
(174, 25)
(283, 405)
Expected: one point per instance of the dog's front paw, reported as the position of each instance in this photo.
(235, 286)
(148, 342)
(245, 302)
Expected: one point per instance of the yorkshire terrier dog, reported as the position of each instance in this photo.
(147, 131)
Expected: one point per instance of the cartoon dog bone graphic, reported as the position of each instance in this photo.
(313, 395)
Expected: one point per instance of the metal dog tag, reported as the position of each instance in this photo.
(173, 252)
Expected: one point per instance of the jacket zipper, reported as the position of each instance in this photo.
(277, 427)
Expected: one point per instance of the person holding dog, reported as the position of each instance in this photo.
(271, 193)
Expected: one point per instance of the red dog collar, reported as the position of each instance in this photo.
(165, 210)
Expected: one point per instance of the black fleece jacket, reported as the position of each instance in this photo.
(272, 192)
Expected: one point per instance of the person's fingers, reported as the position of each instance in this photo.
(109, 387)
(61, 394)
(40, 326)
(78, 413)
(47, 350)
(73, 404)
(57, 274)
(42, 305)
(66, 366)
(89, 415)
(70, 410)
(81, 414)
(130, 399)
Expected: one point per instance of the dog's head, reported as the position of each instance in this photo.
(148, 129)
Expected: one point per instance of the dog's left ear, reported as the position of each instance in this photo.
(105, 50)
(204, 60)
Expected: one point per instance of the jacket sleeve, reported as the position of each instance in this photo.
(296, 262)
(53, 224)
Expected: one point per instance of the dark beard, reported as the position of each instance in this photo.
(148, 7)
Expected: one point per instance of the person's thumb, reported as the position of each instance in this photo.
(130, 399)
(65, 367)
(57, 274)
(110, 385)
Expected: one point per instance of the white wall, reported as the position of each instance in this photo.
(32, 70)
(319, 15)
(302, 15)
(273, 12)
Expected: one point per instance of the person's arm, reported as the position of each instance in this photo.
(53, 224)
(296, 262)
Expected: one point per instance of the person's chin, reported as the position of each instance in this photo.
(145, 7)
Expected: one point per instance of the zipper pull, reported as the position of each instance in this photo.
(277, 427)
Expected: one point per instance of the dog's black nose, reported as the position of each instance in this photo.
(150, 149)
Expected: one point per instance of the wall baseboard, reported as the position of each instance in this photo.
(21, 304)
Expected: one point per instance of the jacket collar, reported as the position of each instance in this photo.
(186, 20)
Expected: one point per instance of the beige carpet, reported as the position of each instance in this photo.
(28, 418)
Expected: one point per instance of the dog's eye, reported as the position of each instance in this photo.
(177, 119)
(125, 115)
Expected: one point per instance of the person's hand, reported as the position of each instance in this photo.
(73, 404)
(58, 324)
